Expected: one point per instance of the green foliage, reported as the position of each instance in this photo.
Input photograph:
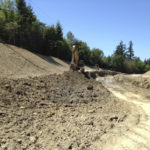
(121, 49)
(139, 66)
(96, 56)
(106, 62)
(19, 26)
(84, 51)
(71, 38)
(130, 52)
(117, 62)
(147, 61)
(59, 33)
(147, 68)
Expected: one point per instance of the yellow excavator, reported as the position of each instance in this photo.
(75, 58)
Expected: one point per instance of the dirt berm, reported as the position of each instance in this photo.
(138, 80)
(58, 112)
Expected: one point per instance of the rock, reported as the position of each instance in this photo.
(19, 141)
(35, 114)
(3, 141)
(22, 107)
(19, 93)
(95, 95)
(112, 126)
(33, 139)
(113, 118)
(70, 146)
(90, 87)
(91, 111)
(28, 134)
(90, 123)
(8, 87)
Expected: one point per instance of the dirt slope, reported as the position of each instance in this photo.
(17, 63)
(147, 73)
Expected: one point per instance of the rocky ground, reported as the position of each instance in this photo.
(57, 112)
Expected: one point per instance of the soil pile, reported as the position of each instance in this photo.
(142, 81)
(66, 111)
(16, 62)
(147, 73)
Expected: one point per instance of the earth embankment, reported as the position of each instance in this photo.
(16, 62)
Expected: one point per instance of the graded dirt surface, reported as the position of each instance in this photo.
(137, 135)
(16, 62)
(58, 112)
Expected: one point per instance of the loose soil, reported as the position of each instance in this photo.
(58, 112)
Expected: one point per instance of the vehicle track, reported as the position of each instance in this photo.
(138, 136)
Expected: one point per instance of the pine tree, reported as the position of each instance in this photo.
(21, 6)
(121, 49)
(130, 52)
(71, 38)
(59, 31)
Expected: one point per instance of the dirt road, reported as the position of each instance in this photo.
(138, 135)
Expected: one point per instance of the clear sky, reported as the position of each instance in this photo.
(100, 23)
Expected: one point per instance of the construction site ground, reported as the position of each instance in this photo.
(43, 106)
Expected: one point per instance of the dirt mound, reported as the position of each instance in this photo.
(65, 111)
(101, 73)
(142, 81)
(147, 73)
(16, 62)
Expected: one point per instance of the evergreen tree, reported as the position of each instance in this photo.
(147, 61)
(71, 38)
(21, 7)
(59, 31)
(130, 52)
(121, 49)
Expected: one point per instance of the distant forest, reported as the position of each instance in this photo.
(19, 26)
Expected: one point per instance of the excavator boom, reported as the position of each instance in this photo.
(75, 59)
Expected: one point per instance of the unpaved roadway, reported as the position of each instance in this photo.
(137, 137)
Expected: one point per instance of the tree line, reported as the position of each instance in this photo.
(19, 26)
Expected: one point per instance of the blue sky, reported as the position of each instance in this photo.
(100, 23)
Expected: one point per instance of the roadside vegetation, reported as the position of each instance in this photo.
(19, 26)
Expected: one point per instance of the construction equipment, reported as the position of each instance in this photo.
(75, 58)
